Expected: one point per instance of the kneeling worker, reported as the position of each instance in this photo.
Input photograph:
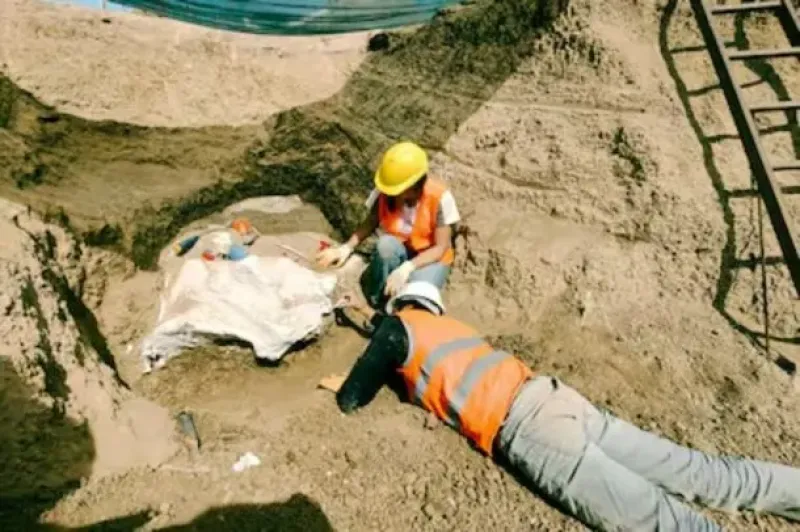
(604, 471)
(415, 214)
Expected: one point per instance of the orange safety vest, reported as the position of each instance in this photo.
(451, 371)
(423, 233)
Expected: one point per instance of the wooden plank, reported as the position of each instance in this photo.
(741, 8)
(741, 55)
(776, 106)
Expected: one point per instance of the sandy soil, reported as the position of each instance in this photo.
(60, 386)
(602, 247)
(173, 74)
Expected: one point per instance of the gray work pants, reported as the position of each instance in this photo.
(614, 476)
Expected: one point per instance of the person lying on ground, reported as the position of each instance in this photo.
(600, 469)
(415, 214)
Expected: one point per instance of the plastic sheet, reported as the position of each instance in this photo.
(268, 302)
(290, 17)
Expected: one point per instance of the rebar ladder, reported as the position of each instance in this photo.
(762, 170)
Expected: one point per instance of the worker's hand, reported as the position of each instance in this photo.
(331, 383)
(334, 256)
(398, 278)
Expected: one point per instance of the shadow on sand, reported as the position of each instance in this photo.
(43, 454)
(729, 261)
(297, 514)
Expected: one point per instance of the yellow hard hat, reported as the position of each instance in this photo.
(402, 165)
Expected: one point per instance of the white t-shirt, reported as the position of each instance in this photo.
(446, 215)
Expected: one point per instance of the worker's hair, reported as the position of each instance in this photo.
(391, 201)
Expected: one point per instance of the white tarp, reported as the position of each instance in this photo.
(270, 302)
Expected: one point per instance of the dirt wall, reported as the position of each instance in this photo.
(66, 413)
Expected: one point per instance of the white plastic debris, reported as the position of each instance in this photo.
(221, 242)
(268, 302)
(246, 461)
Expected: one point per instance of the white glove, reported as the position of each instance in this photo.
(334, 256)
(398, 278)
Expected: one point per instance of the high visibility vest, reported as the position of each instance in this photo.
(423, 232)
(451, 371)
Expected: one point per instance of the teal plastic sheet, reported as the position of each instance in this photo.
(301, 17)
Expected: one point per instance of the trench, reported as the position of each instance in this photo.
(96, 179)
(423, 86)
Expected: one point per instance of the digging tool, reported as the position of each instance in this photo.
(189, 430)
(183, 247)
(293, 251)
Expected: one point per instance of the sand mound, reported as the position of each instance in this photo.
(173, 74)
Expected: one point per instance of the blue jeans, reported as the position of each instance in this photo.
(613, 476)
(388, 255)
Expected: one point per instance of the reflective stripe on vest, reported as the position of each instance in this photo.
(476, 370)
(455, 374)
(423, 231)
(437, 355)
